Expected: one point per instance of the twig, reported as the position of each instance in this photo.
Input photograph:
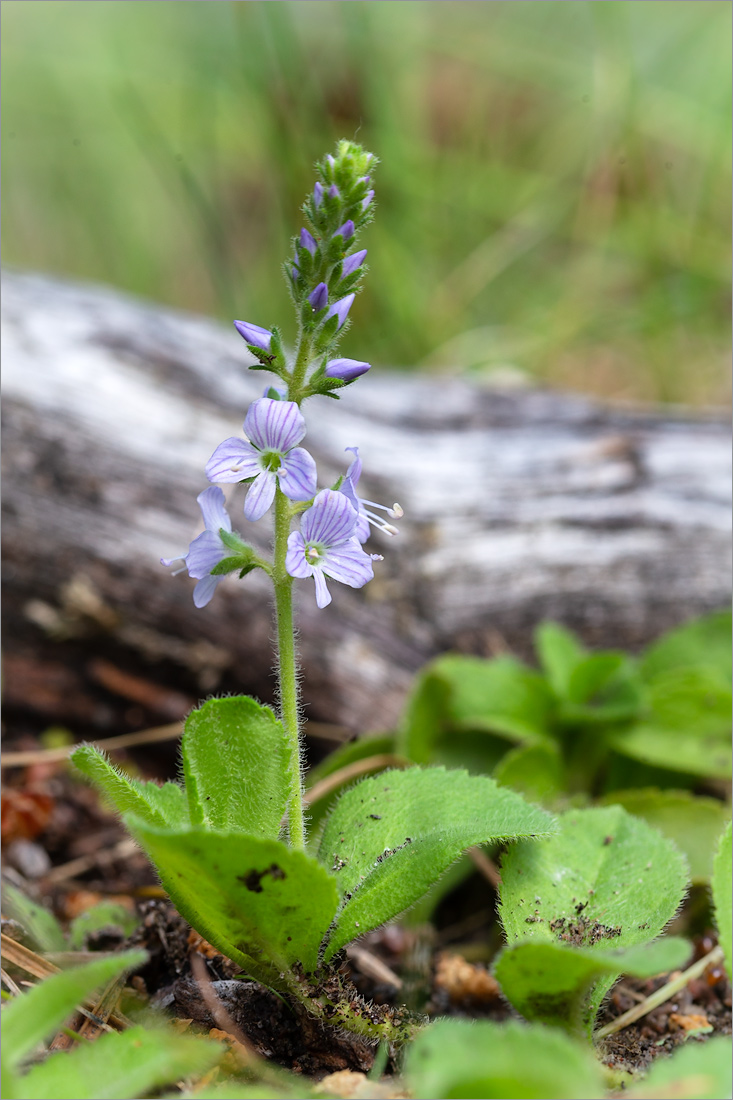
(124, 741)
(486, 866)
(373, 966)
(665, 993)
(353, 771)
(99, 858)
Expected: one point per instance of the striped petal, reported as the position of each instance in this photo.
(295, 562)
(260, 494)
(323, 596)
(204, 590)
(349, 564)
(233, 460)
(211, 502)
(297, 474)
(274, 425)
(204, 553)
(331, 520)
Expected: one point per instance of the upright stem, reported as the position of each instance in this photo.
(287, 667)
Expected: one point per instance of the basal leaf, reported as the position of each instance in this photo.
(606, 879)
(703, 643)
(235, 762)
(535, 771)
(121, 1065)
(693, 823)
(164, 805)
(593, 673)
(550, 982)
(559, 653)
(33, 1016)
(696, 1071)
(510, 1061)
(39, 923)
(502, 696)
(390, 837)
(261, 903)
(425, 716)
(94, 919)
(722, 891)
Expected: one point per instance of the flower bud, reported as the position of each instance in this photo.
(254, 335)
(341, 309)
(346, 230)
(353, 263)
(367, 199)
(346, 369)
(318, 193)
(307, 241)
(318, 298)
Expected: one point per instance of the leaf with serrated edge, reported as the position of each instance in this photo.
(121, 1064)
(255, 899)
(549, 982)
(605, 879)
(33, 1016)
(164, 805)
(481, 1058)
(722, 890)
(235, 762)
(389, 838)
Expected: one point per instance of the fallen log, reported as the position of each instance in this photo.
(519, 505)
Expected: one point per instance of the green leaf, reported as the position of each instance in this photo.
(550, 982)
(693, 823)
(722, 891)
(121, 1065)
(424, 717)
(33, 1016)
(262, 904)
(164, 805)
(559, 653)
(364, 748)
(696, 1071)
(510, 1061)
(687, 727)
(39, 923)
(390, 837)
(535, 771)
(605, 879)
(703, 643)
(101, 916)
(235, 762)
(593, 673)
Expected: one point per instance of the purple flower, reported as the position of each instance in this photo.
(346, 369)
(333, 191)
(341, 309)
(207, 550)
(364, 507)
(346, 230)
(269, 454)
(318, 298)
(253, 334)
(307, 241)
(318, 193)
(367, 199)
(352, 263)
(327, 546)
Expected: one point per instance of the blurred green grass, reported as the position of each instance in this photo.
(554, 194)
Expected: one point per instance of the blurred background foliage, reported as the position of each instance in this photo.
(554, 194)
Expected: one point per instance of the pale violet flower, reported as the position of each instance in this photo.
(353, 262)
(365, 508)
(327, 546)
(341, 309)
(207, 550)
(307, 241)
(253, 334)
(346, 230)
(269, 454)
(318, 298)
(346, 369)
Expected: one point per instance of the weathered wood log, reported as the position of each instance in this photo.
(519, 505)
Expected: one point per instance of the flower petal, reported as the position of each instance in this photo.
(204, 553)
(274, 425)
(323, 596)
(253, 334)
(211, 502)
(353, 262)
(331, 519)
(260, 494)
(233, 460)
(295, 562)
(348, 564)
(298, 475)
(346, 369)
(204, 590)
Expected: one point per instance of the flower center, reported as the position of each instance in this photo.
(312, 553)
(271, 460)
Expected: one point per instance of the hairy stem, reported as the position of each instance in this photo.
(287, 668)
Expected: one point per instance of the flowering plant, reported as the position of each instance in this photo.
(230, 843)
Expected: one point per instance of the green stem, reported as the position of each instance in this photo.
(287, 670)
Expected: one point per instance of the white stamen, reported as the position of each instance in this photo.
(395, 511)
(379, 523)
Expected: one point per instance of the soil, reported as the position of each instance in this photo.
(64, 849)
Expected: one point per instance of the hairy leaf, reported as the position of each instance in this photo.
(606, 879)
(510, 1061)
(235, 762)
(722, 891)
(693, 823)
(104, 915)
(390, 837)
(164, 805)
(31, 1017)
(549, 982)
(536, 771)
(39, 923)
(121, 1065)
(696, 1071)
(261, 903)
